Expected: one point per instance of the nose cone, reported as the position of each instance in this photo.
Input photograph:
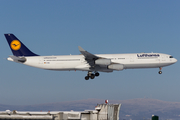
(174, 60)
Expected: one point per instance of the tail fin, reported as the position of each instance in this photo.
(17, 47)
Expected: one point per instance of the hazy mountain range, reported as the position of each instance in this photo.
(135, 109)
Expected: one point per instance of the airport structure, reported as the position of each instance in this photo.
(101, 112)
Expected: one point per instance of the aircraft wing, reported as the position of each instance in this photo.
(87, 55)
(90, 58)
(99, 63)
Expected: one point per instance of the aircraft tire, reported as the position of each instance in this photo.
(87, 78)
(160, 72)
(97, 74)
(92, 76)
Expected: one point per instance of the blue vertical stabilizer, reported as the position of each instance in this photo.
(17, 47)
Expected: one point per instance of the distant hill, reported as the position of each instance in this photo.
(135, 109)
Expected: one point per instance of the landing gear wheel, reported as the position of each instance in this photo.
(160, 72)
(97, 74)
(92, 76)
(87, 78)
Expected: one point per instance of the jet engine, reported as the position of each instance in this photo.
(116, 66)
(103, 62)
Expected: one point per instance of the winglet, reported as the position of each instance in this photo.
(81, 49)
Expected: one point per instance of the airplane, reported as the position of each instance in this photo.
(86, 61)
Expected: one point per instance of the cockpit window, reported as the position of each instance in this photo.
(170, 56)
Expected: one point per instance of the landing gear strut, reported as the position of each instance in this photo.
(91, 75)
(160, 72)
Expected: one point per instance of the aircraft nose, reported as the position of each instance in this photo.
(175, 60)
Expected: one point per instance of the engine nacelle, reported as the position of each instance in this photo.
(116, 67)
(103, 62)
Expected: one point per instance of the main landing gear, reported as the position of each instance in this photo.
(160, 72)
(91, 75)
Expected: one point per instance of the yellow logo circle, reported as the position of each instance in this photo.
(15, 45)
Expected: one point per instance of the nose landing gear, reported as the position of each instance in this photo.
(91, 75)
(160, 72)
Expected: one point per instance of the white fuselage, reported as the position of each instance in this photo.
(78, 62)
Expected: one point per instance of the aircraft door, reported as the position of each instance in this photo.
(163, 58)
(131, 59)
(41, 61)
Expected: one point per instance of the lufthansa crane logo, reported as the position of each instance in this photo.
(15, 45)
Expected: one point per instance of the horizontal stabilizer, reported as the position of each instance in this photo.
(17, 59)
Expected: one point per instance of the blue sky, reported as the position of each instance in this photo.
(100, 27)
